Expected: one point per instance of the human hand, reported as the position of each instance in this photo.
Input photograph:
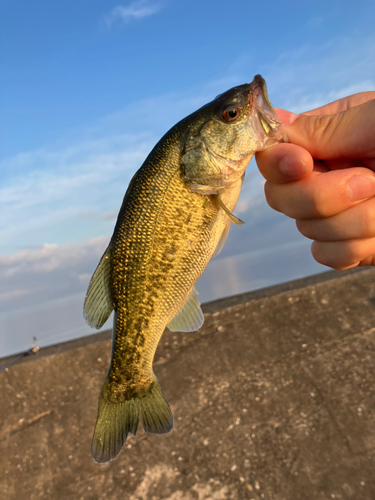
(324, 179)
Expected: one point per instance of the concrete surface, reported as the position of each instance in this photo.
(273, 399)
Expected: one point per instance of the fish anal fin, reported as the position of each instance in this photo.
(232, 217)
(98, 302)
(190, 317)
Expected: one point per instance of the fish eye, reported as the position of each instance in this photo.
(231, 113)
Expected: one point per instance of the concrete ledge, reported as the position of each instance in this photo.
(273, 398)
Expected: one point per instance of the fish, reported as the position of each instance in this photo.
(174, 218)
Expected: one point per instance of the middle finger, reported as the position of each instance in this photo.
(321, 195)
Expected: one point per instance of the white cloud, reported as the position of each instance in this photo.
(42, 290)
(14, 294)
(314, 75)
(50, 258)
(42, 293)
(57, 198)
(69, 193)
(319, 99)
(64, 192)
(134, 11)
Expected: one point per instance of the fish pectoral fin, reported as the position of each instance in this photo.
(232, 217)
(98, 302)
(222, 240)
(190, 317)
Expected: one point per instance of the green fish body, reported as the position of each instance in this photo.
(175, 216)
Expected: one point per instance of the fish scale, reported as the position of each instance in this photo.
(175, 215)
(169, 231)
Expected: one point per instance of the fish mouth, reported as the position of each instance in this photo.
(260, 103)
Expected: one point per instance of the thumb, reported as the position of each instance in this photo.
(348, 134)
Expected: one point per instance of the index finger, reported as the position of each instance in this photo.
(321, 195)
(345, 135)
(332, 108)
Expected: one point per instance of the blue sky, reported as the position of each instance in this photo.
(88, 87)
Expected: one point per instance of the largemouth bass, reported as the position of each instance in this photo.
(175, 216)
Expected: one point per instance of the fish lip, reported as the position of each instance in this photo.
(263, 107)
(260, 103)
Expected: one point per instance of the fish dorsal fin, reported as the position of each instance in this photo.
(190, 317)
(222, 240)
(232, 217)
(98, 302)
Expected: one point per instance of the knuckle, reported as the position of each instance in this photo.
(338, 256)
(351, 255)
(317, 251)
(368, 261)
(368, 226)
(323, 127)
(271, 197)
(305, 227)
(318, 201)
(368, 219)
(261, 160)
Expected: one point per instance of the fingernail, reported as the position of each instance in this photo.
(292, 166)
(360, 187)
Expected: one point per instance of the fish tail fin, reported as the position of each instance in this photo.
(118, 417)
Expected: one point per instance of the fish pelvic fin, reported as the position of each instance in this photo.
(222, 239)
(232, 217)
(118, 417)
(98, 302)
(190, 317)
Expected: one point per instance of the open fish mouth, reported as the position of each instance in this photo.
(268, 119)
